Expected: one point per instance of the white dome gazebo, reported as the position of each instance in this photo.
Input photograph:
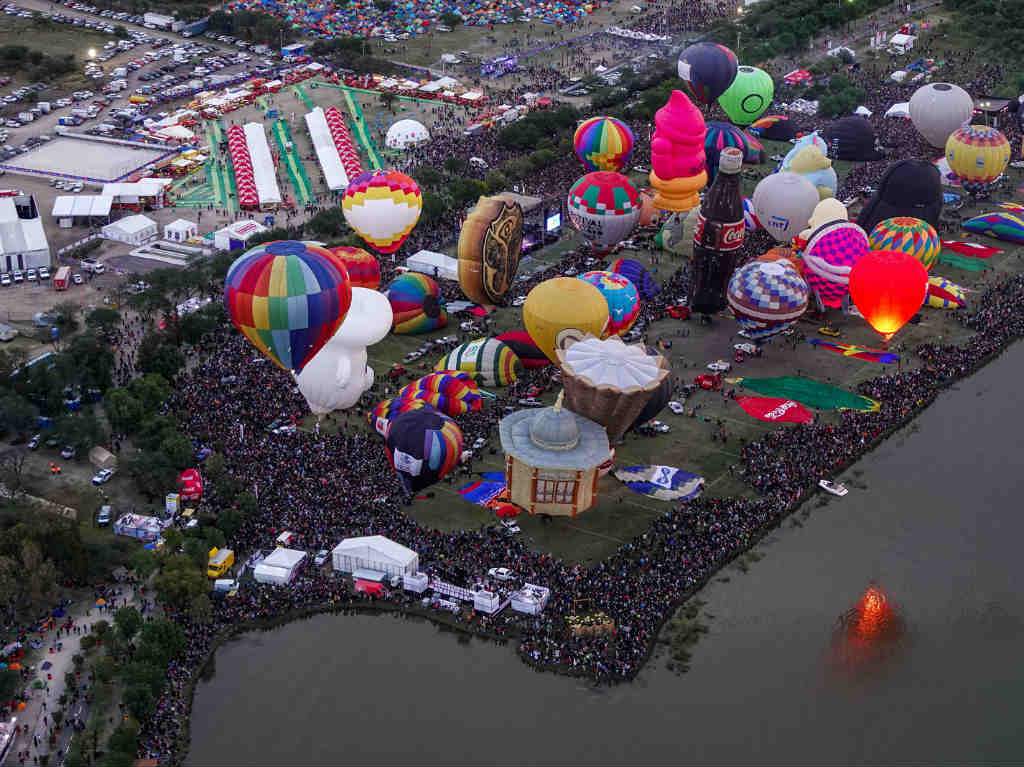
(406, 133)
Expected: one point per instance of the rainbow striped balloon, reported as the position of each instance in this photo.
(363, 268)
(909, 235)
(423, 446)
(288, 298)
(382, 207)
(451, 392)
(603, 143)
(387, 410)
(417, 304)
(488, 360)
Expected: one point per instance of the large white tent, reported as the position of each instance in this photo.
(433, 264)
(134, 230)
(279, 567)
(326, 150)
(406, 133)
(375, 553)
(262, 164)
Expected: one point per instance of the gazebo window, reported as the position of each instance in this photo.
(555, 491)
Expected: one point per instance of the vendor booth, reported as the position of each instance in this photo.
(376, 553)
(279, 567)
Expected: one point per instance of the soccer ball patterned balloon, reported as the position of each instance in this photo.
(909, 235)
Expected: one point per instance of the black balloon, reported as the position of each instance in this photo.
(908, 188)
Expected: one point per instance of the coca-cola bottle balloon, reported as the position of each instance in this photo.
(718, 236)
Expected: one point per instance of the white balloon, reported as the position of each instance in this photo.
(784, 203)
(335, 379)
(368, 321)
(938, 109)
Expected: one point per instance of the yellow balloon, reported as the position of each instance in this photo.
(560, 311)
(978, 155)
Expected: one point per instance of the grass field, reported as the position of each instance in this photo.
(53, 40)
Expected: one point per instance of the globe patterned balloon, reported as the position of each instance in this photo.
(830, 254)
(288, 298)
(622, 297)
(417, 304)
(909, 235)
(767, 297)
(603, 143)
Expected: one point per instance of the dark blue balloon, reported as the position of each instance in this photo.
(708, 70)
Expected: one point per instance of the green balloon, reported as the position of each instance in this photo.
(749, 95)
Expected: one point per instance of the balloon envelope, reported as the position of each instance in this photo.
(784, 203)
(938, 109)
(636, 273)
(488, 360)
(335, 379)
(382, 207)
(622, 298)
(288, 298)
(888, 288)
(416, 304)
(561, 311)
(363, 268)
(767, 297)
(978, 155)
(909, 235)
(603, 143)
(489, 246)
(604, 207)
(368, 321)
(707, 70)
(749, 95)
(423, 446)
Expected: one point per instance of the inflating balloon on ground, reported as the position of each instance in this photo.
(908, 235)
(749, 95)
(489, 247)
(622, 298)
(678, 162)
(767, 297)
(560, 311)
(423, 446)
(604, 207)
(417, 304)
(888, 288)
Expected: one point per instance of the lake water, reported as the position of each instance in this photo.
(934, 517)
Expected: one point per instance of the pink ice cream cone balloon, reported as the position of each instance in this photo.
(677, 154)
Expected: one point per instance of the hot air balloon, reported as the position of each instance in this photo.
(488, 360)
(382, 207)
(773, 128)
(603, 143)
(423, 446)
(451, 392)
(721, 135)
(831, 252)
(386, 411)
(749, 95)
(529, 354)
(784, 203)
(609, 381)
(660, 397)
(909, 235)
(636, 273)
(938, 109)
(678, 163)
(489, 247)
(767, 297)
(707, 70)
(622, 297)
(417, 304)
(560, 311)
(943, 294)
(363, 268)
(888, 288)
(338, 375)
(288, 298)
(978, 155)
(604, 207)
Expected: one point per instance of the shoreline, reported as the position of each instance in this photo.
(375, 607)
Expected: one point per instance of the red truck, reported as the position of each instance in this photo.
(62, 279)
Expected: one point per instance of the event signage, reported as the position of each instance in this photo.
(776, 409)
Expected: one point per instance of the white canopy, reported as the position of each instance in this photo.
(81, 206)
(899, 109)
(279, 567)
(374, 552)
(133, 230)
(613, 363)
(326, 150)
(406, 133)
(431, 263)
(262, 164)
(863, 111)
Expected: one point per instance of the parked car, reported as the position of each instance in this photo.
(501, 574)
(33, 444)
(321, 557)
(5, 279)
(68, 452)
(31, 275)
(44, 273)
(104, 516)
(102, 477)
(77, 278)
(719, 366)
(675, 407)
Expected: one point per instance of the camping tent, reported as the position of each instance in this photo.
(279, 567)
(102, 458)
(374, 552)
(434, 264)
(134, 230)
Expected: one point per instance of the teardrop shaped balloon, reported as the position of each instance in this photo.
(707, 70)
(288, 298)
(888, 288)
(749, 96)
(382, 207)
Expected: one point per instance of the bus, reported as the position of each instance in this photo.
(62, 279)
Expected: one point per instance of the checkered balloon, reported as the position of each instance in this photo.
(767, 297)
(829, 255)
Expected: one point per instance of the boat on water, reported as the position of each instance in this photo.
(835, 488)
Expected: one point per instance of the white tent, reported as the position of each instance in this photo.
(234, 236)
(326, 150)
(863, 111)
(901, 43)
(406, 133)
(434, 264)
(899, 109)
(262, 164)
(180, 230)
(376, 553)
(134, 230)
(279, 567)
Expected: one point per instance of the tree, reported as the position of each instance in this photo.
(450, 19)
(177, 449)
(123, 410)
(179, 581)
(80, 430)
(328, 223)
(17, 414)
(12, 465)
(143, 564)
(160, 640)
(214, 465)
(128, 621)
(104, 668)
(140, 702)
(200, 610)
(66, 313)
(10, 683)
(151, 390)
(103, 319)
(157, 355)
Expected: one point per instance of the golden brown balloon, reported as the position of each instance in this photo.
(489, 246)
